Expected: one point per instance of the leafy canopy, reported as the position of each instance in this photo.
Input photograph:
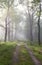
(7, 2)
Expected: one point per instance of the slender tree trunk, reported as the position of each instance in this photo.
(5, 30)
(6, 21)
(31, 24)
(39, 30)
(39, 25)
(12, 33)
(15, 31)
(9, 32)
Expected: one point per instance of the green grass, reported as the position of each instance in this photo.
(24, 57)
(37, 51)
(6, 51)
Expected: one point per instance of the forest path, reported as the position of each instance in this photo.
(16, 54)
(35, 60)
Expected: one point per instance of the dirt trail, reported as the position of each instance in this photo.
(35, 60)
(15, 55)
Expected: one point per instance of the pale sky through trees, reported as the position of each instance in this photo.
(21, 19)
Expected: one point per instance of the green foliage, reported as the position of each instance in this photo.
(37, 50)
(7, 2)
(6, 52)
(36, 1)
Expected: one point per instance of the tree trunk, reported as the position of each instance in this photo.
(5, 30)
(39, 25)
(31, 24)
(9, 32)
(6, 21)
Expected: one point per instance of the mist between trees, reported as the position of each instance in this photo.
(21, 20)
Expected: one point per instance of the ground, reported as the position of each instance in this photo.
(20, 53)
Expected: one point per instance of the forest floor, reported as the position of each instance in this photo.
(20, 53)
(6, 52)
(37, 51)
(35, 60)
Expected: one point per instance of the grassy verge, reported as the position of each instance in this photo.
(6, 51)
(37, 51)
(24, 57)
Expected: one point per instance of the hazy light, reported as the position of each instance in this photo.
(22, 24)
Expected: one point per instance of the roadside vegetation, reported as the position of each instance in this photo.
(37, 50)
(6, 52)
(7, 49)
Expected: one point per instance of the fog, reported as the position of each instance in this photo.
(20, 23)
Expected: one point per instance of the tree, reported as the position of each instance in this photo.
(36, 2)
(8, 4)
(30, 10)
(39, 23)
